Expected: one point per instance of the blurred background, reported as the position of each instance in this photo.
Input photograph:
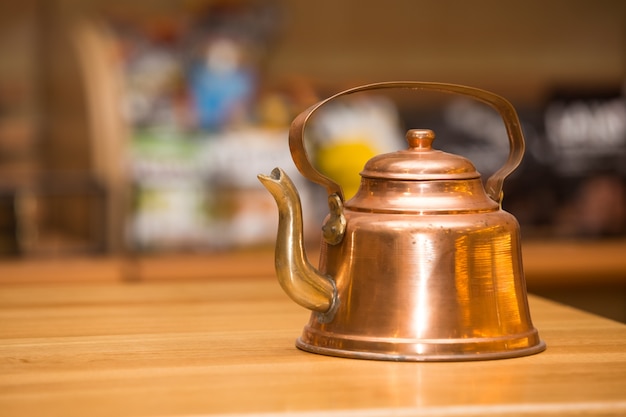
(139, 127)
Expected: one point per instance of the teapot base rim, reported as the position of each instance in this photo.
(436, 352)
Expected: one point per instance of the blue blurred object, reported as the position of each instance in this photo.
(219, 95)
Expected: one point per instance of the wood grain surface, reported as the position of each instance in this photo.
(226, 346)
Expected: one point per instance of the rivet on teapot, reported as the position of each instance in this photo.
(422, 264)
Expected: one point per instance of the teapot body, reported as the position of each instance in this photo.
(425, 287)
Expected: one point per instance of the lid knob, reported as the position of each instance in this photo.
(420, 139)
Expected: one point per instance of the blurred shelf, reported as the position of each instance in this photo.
(574, 263)
(589, 275)
(546, 264)
(161, 267)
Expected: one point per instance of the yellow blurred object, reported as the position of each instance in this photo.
(343, 160)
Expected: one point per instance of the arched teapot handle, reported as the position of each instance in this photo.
(504, 108)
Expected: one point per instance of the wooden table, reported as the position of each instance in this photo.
(226, 346)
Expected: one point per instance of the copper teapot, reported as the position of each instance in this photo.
(422, 264)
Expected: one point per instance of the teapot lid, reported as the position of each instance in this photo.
(419, 162)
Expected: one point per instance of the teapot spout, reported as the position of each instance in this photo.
(302, 282)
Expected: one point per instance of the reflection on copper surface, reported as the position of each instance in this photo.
(421, 314)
